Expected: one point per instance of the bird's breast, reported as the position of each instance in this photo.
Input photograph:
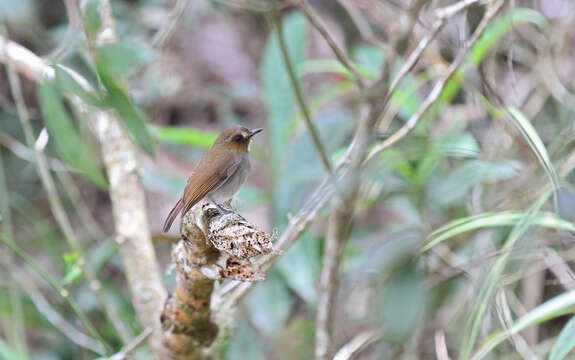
(234, 182)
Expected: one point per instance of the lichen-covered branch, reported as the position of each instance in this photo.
(213, 247)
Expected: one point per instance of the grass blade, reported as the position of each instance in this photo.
(565, 342)
(535, 143)
(486, 293)
(489, 220)
(557, 306)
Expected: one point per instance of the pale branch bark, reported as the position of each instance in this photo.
(213, 247)
(132, 345)
(165, 32)
(339, 223)
(128, 201)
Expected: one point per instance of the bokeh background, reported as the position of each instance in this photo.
(462, 230)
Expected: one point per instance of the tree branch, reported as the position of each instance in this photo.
(213, 247)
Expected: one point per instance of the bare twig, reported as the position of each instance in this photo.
(435, 93)
(76, 336)
(360, 341)
(441, 352)
(298, 92)
(339, 53)
(559, 268)
(132, 345)
(339, 224)
(504, 313)
(359, 20)
(24, 153)
(13, 324)
(449, 11)
(165, 32)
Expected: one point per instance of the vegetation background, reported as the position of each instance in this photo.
(456, 243)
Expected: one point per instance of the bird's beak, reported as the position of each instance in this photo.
(255, 131)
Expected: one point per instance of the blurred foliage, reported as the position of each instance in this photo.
(456, 214)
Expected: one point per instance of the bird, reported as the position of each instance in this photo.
(220, 173)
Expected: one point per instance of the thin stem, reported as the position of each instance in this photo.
(165, 32)
(57, 320)
(133, 345)
(339, 53)
(435, 93)
(298, 92)
(14, 328)
(337, 233)
(63, 293)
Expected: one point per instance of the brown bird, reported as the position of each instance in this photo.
(220, 173)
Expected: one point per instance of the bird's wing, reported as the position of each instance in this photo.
(200, 184)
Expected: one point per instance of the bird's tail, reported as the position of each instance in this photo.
(173, 214)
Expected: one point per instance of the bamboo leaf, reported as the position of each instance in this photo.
(565, 342)
(132, 117)
(74, 150)
(66, 83)
(488, 288)
(535, 144)
(557, 306)
(490, 220)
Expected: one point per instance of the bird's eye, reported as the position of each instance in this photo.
(238, 138)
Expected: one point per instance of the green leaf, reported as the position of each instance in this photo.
(184, 136)
(565, 342)
(92, 19)
(369, 60)
(244, 344)
(455, 186)
(132, 117)
(75, 150)
(279, 96)
(122, 59)
(490, 220)
(67, 84)
(318, 66)
(300, 266)
(558, 306)
(402, 303)
(6, 353)
(269, 304)
(73, 268)
(535, 144)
